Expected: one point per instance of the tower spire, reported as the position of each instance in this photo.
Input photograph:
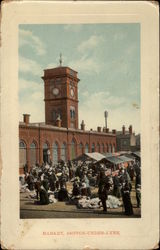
(60, 59)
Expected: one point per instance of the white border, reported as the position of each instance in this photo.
(141, 233)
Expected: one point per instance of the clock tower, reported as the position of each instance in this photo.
(61, 96)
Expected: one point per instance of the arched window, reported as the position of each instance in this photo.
(113, 148)
(55, 153)
(33, 154)
(63, 152)
(81, 148)
(86, 148)
(73, 149)
(110, 148)
(103, 148)
(98, 147)
(93, 148)
(22, 153)
(45, 152)
(72, 112)
(45, 146)
(107, 147)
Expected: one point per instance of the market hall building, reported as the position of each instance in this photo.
(59, 138)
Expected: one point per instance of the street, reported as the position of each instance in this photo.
(28, 209)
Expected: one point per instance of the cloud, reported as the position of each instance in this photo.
(90, 44)
(91, 110)
(29, 66)
(28, 38)
(51, 65)
(73, 27)
(85, 65)
(31, 96)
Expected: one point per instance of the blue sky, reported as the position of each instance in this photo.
(107, 58)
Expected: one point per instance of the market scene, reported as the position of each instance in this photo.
(68, 171)
(92, 186)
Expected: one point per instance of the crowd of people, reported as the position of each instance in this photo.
(72, 180)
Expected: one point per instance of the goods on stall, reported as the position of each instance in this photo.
(86, 202)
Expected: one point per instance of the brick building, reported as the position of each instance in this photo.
(59, 138)
(126, 139)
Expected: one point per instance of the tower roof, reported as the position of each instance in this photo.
(59, 71)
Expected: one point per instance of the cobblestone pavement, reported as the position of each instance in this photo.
(28, 209)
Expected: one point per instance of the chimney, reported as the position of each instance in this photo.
(26, 118)
(104, 129)
(82, 125)
(106, 116)
(99, 129)
(130, 129)
(107, 130)
(113, 131)
(123, 130)
(58, 122)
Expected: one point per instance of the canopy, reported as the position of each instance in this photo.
(125, 158)
(137, 153)
(115, 160)
(90, 156)
(95, 156)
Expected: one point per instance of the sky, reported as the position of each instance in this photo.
(107, 58)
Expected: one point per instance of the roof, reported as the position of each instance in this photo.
(137, 153)
(111, 154)
(125, 158)
(43, 125)
(95, 156)
(115, 160)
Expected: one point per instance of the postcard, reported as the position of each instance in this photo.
(79, 125)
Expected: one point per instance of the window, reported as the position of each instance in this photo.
(56, 113)
(45, 153)
(33, 154)
(103, 149)
(72, 112)
(98, 147)
(63, 152)
(113, 148)
(93, 148)
(81, 148)
(107, 147)
(22, 145)
(55, 153)
(124, 142)
(73, 149)
(110, 148)
(58, 80)
(86, 148)
(45, 146)
(22, 153)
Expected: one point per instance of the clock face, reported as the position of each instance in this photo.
(55, 91)
(72, 92)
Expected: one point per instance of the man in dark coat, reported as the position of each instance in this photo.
(104, 186)
(63, 194)
(138, 195)
(45, 183)
(127, 199)
(44, 199)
